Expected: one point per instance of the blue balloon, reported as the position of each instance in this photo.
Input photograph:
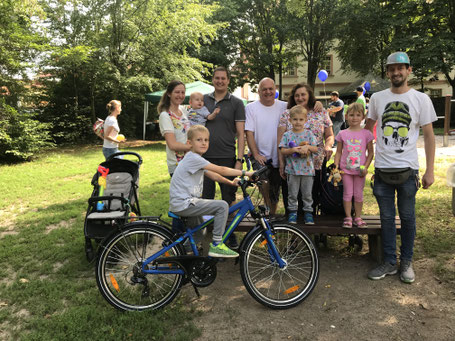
(322, 75)
(367, 86)
(276, 94)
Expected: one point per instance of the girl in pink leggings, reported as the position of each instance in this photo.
(354, 155)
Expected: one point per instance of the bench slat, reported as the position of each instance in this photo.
(329, 225)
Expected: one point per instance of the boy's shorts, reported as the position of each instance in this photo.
(273, 178)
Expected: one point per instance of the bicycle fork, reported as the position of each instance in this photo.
(271, 247)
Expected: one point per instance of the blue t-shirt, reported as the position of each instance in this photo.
(298, 165)
(339, 117)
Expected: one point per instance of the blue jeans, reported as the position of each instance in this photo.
(109, 151)
(385, 196)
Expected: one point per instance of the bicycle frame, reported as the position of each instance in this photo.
(243, 207)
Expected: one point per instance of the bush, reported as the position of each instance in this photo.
(21, 136)
(68, 125)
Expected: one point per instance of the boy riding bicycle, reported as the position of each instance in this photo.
(186, 189)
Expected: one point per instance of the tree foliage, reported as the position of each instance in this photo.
(19, 44)
(315, 31)
(424, 29)
(120, 49)
(21, 135)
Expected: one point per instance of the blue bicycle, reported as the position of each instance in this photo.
(144, 265)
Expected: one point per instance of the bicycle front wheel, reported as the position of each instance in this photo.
(270, 285)
(119, 269)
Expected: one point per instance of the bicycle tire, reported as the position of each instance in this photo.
(268, 284)
(118, 269)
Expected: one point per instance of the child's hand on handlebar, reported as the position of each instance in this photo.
(249, 174)
(236, 181)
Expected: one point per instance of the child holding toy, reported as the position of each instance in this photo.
(186, 189)
(297, 145)
(353, 156)
(198, 113)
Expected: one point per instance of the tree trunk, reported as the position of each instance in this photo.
(92, 103)
(280, 79)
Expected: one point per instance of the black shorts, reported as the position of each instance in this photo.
(273, 178)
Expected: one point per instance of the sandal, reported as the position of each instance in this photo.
(347, 222)
(359, 222)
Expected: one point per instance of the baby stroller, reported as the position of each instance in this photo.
(330, 196)
(331, 202)
(114, 198)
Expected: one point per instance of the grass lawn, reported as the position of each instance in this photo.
(48, 289)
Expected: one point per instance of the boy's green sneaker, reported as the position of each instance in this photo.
(221, 251)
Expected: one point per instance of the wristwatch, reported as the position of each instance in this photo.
(240, 160)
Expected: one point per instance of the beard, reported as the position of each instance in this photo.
(398, 82)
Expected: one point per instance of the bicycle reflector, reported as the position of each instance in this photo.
(114, 283)
(292, 289)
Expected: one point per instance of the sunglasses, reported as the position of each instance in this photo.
(402, 131)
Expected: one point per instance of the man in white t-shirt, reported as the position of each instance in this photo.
(400, 113)
(262, 118)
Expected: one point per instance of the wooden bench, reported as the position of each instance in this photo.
(331, 225)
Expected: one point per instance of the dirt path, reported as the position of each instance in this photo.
(345, 305)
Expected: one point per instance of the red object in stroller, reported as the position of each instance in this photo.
(118, 201)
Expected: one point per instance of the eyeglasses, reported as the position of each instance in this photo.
(402, 131)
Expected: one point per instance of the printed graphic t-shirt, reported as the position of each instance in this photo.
(354, 149)
(399, 118)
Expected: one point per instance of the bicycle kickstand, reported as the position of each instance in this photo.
(196, 290)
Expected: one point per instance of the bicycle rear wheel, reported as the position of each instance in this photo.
(266, 282)
(119, 273)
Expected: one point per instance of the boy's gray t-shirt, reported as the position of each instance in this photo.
(187, 182)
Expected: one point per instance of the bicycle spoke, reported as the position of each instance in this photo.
(274, 286)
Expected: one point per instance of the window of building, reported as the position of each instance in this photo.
(327, 64)
(290, 71)
(435, 92)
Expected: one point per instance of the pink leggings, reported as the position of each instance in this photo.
(353, 186)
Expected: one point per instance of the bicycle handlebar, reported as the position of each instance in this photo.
(259, 172)
(244, 184)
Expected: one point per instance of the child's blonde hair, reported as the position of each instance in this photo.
(197, 128)
(355, 107)
(297, 110)
(194, 94)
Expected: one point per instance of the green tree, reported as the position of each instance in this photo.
(315, 31)
(120, 49)
(263, 31)
(19, 44)
(429, 38)
(253, 39)
(21, 135)
(365, 38)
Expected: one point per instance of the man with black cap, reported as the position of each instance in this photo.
(336, 109)
(400, 112)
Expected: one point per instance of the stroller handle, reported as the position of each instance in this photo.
(139, 158)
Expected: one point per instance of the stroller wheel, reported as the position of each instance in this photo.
(359, 242)
(355, 240)
(320, 238)
(89, 253)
